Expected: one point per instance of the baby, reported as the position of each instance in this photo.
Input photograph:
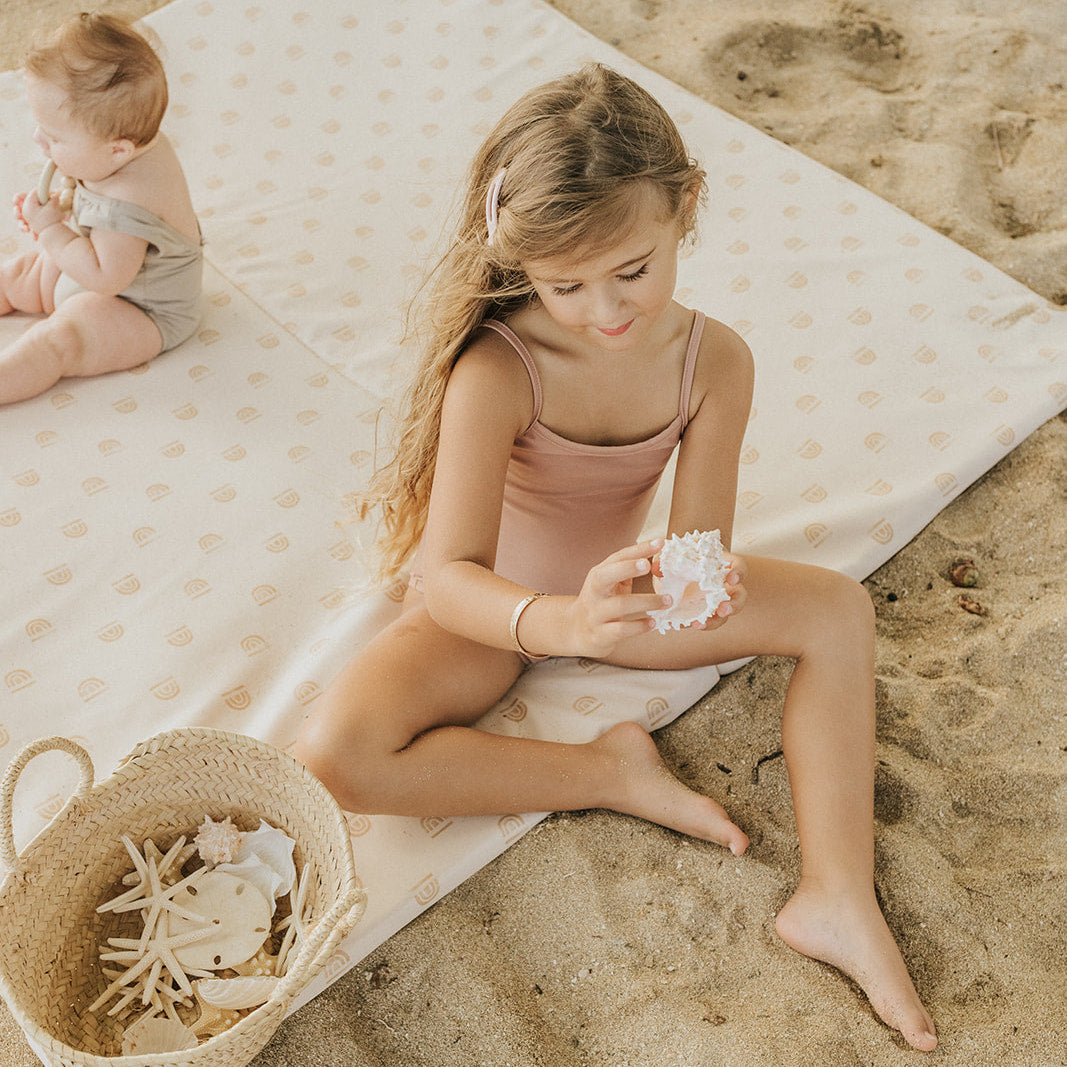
(121, 284)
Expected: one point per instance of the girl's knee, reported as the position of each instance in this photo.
(346, 766)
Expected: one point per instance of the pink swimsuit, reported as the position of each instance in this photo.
(567, 506)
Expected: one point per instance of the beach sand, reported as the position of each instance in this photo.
(598, 939)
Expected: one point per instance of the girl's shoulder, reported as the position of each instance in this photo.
(491, 374)
(725, 369)
(723, 350)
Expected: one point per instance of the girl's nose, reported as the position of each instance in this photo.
(607, 301)
(40, 140)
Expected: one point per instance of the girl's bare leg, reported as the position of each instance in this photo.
(826, 623)
(87, 334)
(392, 734)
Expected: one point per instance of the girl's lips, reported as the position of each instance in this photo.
(618, 331)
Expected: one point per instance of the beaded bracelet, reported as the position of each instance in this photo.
(514, 628)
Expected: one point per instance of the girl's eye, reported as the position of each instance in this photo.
(565, 290)
(639, 273)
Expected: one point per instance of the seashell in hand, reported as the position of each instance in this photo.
(693, 575)
(265, 858)
(236, 993)
(158, 1034)
(235, 910)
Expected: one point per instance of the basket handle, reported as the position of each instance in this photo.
(8, 852)
(325, 935)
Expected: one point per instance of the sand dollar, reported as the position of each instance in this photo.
(237, 910)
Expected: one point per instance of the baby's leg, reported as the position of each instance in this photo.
(825, 622)
(87, 334)
(27, 283)
(392, 734)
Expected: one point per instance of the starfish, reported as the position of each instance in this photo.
(294, 923)
(152, 896)
(158, 953)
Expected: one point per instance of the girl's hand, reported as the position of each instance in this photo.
(607, 610)
(40, 216)
(735, 586)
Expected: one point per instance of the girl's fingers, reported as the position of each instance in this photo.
(623, 566)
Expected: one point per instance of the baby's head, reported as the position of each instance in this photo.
(114, 82)
(583, 157)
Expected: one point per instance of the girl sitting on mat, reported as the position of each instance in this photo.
(559, 376)
(123, 284)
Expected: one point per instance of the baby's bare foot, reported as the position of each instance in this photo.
(648, 790)
(853, 936)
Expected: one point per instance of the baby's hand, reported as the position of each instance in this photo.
(23, 225)
(40, 216)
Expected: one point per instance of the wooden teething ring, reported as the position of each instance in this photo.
(66, 196)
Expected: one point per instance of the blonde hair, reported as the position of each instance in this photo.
(113, 78)
(582, 154)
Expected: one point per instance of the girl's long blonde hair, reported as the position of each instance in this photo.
(575, 151)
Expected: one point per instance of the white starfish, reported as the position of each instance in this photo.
(152, 896)
(158, 953)
(293, 923)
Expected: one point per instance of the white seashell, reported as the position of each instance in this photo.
(158, 1034)
(693, 575)
(252, 869)
(273, 848)
(236, 912)
(235, 993)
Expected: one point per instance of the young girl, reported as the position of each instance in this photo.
(124, 285)
(558, 378)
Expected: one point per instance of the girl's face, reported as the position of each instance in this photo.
(615, 297)
(76, 152)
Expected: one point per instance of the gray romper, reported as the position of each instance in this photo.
(167, 287)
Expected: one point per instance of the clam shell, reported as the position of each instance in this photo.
(693, 575)
(237, 912)
(158, 1034)
(273, 849)
(235, 993)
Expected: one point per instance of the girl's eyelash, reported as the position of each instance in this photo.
(566, 290)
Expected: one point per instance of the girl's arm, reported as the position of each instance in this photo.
(705, 482)
(487, 404)
(104, 262)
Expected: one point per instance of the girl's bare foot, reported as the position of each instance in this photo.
(852, 936)
(646, 788)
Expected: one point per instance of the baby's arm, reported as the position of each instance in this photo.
(104, 262)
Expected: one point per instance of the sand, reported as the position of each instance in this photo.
(601, 940)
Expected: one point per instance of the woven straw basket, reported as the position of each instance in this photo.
(50, 932)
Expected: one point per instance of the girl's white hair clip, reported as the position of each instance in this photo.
(492, 202)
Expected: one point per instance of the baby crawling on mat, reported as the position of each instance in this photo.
(118, 272)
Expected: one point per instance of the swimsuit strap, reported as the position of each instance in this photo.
(515, 341)
(687, 373)
(690, 365)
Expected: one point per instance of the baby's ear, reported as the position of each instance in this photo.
(122, 148)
